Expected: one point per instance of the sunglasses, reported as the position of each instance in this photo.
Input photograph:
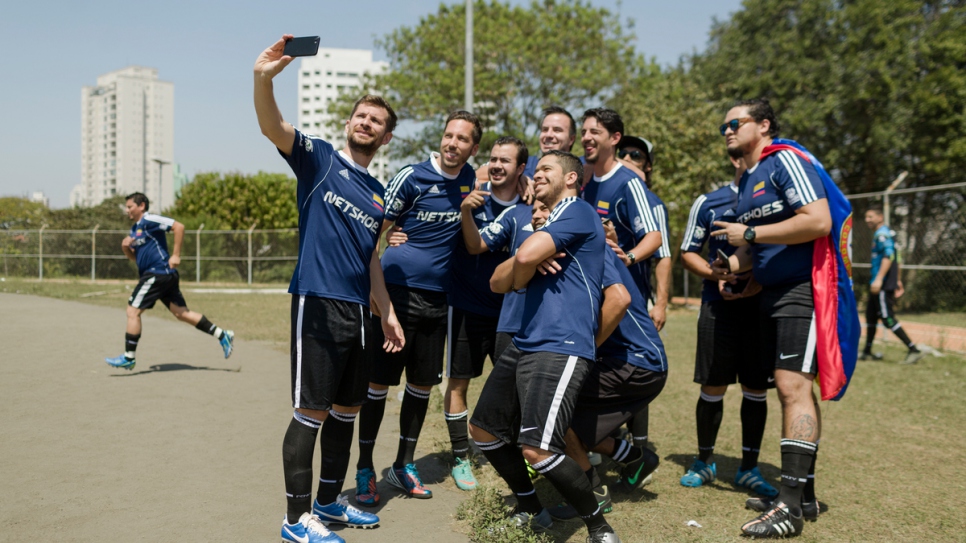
(635, 155)
(734, 124)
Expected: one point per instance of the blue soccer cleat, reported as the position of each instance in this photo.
(366, 492)
(308, 530)
(407, 480)
(699, 473)
(121, 362)
(752, 480)
(227, 338)
(340, 512)
(463, 474)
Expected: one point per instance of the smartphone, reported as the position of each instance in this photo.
(724, 257)
(307, 46)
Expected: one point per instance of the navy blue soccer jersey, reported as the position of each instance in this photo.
(621, 197)
(504, 236)
(470, 274)
(531, 167)
(150, 245)
(642, 271)
(340, 212)
(635, 341)
(425, 202)
(561, 310)
(717, 205)
(770, 193)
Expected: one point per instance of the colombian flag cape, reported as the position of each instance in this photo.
(836, 316)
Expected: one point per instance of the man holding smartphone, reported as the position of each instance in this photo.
(727, 350)
(336, 277)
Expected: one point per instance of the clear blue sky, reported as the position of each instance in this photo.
(207, 49)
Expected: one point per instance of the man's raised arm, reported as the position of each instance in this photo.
(269, 64)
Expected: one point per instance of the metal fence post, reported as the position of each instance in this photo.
(41, 252)
(250, 252)
(886, 211)
(93, 251)
(198, 253)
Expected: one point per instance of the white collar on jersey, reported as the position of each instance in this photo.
(434, 158)
(352, 162)
(516, 198)
(609, 174)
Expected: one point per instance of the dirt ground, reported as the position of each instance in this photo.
(187, 446)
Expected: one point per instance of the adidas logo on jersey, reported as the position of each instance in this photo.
(481, 216)
(729, 213)
(344, 173)
(434, 190)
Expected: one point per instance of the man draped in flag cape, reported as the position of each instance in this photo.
(792, 229)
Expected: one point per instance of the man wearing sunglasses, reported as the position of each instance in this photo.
(782, 209)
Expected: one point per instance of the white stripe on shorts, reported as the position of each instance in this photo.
(810, 346)
(298, 352)
(139, 297)
(557, 399)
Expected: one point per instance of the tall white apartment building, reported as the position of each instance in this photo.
(320, 79)
(127, 138)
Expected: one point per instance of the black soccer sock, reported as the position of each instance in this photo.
(508, 461)
(334, 445)
(593, 478)
(625, 453)
(565, 475)
(297, 449)
(754, 414)
(207, 327)
(411, 416)
(638, 427)
(370, 418)
(797, 456)
(808, 493)
(870, 330)
(901, 334)
(708, 414)
(131, 344)
(458, 433)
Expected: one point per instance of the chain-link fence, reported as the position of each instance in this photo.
(260, 256)
(930, 228)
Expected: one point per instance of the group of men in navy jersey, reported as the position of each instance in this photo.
(543, 265)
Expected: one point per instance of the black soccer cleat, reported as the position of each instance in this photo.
(810, 510)
(776, 522)
(634, 474)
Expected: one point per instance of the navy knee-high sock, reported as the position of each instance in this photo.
(297, 449)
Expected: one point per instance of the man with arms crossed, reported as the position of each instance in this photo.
(338, 272)
(530, 394)
(782, 209)
(424, 202)
(148, 247)
(727, 350)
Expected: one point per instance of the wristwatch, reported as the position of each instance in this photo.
(631, 257)
(750, 235)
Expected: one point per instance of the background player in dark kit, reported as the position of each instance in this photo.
(337, 274)
(529, 396)
(423, 201)
(782, 209)
(727, 349)
(148, 247)
(884, 284)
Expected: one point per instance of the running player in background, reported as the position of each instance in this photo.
(474, 311)
(529, 396)
(782, 209)
(336, 277)
(727, 349)
(148, 247)
(424, 203)
(882, 290)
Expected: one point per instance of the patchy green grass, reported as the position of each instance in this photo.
(888, 466)
(939, 319)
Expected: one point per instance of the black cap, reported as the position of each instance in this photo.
(640, 143)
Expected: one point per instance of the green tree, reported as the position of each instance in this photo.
(563, 52)
(21, 213)
(235, 201)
